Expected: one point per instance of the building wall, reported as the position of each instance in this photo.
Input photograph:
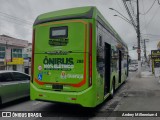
(11, 45)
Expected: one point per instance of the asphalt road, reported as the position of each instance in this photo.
(66, 111)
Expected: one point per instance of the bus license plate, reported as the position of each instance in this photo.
(59, 87)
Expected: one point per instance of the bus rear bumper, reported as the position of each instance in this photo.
(84, 98)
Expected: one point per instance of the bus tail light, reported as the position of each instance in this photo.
(90, 54)
(32, 65)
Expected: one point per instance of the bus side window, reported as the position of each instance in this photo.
(100, 56)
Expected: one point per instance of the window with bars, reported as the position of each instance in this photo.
(2, 52)
(16, 53)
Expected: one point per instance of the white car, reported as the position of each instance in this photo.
(132, 68)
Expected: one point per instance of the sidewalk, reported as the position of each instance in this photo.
(137, 94)
(143, 94)
(146, 74)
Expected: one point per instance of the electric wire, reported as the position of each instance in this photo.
(119, 5)
(150, 19)
(132, 8)
(20, 24)
(151, 35)
(149, 8)
(133, 11)
(131, 18)
(15, 18)
(144, 17)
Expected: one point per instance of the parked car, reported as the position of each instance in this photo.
(13, 85)
(132, 68)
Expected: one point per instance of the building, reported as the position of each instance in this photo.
(12, 53)
(27, 58)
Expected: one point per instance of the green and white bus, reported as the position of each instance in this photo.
(77, 57)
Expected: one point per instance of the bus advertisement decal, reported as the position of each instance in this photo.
(39, 76)
(58, 63)
(47, 60)
(64, 75)
(58, 67)
(39, 67)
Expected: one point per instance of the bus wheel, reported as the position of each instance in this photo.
(113, 89)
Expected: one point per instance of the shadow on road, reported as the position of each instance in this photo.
(14, 103)
(71, 110)
(68, 110)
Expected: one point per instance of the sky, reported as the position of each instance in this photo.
(17, 18)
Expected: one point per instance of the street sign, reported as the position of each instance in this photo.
(155, 54)
(16, 61)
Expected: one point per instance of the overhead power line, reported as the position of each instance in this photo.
(144, 16)
(150, 34)
(119, 5)
(132, 8)
(129, 13)
(150, 19)
(16, 22)
(15, 18)
(149, 9)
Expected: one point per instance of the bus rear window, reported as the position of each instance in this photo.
(59, 32)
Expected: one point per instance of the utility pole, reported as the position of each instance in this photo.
(138, 42)
(145, 55)
(145, 50)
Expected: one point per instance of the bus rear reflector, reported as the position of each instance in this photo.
(90, 54)
(73, 98)
(32, 65)
(40, 95)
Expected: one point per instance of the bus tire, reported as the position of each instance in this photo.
(113, 88)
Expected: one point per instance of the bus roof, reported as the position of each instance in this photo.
(88, 12)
